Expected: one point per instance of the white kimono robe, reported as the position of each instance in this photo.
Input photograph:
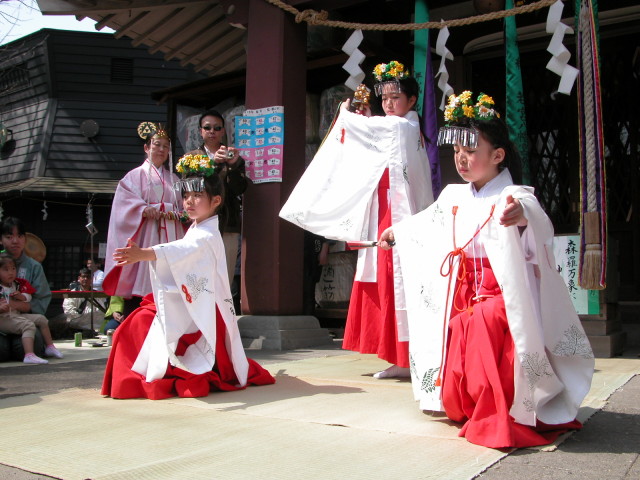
(189, 280)
(553, 358)
(143, 186)
(336, 195)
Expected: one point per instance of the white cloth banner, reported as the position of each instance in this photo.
(442, 50)
(356, 57)
(558, 64)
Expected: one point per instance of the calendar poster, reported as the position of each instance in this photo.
(260, 140)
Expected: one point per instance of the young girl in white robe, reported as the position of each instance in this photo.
(494, 339)
(184, 339)
(370, 172)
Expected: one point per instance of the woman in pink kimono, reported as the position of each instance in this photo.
(144, 209)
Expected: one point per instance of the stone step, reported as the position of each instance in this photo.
(600, 326)
(282, 332)
(607, 346)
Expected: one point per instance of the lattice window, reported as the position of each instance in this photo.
(620, 100)
(553, 155)
(550, 125)
(61, 265)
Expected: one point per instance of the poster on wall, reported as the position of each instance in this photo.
(188, 127)
(260, 140)
(566, 249)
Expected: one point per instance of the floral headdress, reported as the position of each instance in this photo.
(459, 116)
(388, 74)
(194, 165)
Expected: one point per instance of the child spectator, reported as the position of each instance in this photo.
(14, 302)
(113, 317)
(13, 240)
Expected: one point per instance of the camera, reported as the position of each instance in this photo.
(230, 154)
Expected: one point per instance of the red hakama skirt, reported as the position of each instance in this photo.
(478, 380)
(371, 320)
(122, 382)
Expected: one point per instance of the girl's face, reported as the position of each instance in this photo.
(7, 273)
(478, 165)
(158, 151)
(394, 103)
(200, 206)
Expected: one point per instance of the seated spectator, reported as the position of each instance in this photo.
(13, 241)
(98, 274)
(113, 316)
(78, 311)
(15, 294)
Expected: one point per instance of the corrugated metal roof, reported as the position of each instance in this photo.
(61, 185)
(196, 32)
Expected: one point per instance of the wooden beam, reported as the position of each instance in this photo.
(129, 25)
(180, 26)
(78, 7)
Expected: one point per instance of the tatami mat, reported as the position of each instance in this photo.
(325, 418)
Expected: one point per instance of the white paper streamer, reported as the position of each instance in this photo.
(356, 57)
(44, 211)
(558, 63)
(442, 50)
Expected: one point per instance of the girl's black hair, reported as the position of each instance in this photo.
(210, 113)
(212, 186)
(496, 133)
(6, 258)
(409, 86)
(9, 223)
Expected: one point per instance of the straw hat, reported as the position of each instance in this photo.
(34, 247)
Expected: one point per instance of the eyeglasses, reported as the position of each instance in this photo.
(217, 128)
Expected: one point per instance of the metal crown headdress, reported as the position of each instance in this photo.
(148, 130)
(460, 113)
(388, 74)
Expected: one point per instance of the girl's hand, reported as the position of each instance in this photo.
(513, 213)
(18, 296)
(132, 253)
(4, 306)
(387, 239)
(366, 111)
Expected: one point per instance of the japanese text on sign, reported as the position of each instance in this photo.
(260, 139)
(566, 249)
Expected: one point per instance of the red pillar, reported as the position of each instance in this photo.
(272, 253)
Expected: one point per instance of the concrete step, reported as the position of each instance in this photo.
(607, 346)
(282, 332)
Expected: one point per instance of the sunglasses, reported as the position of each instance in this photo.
(217, 128)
